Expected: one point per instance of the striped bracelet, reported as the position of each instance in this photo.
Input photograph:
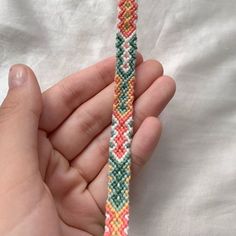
(117, 204)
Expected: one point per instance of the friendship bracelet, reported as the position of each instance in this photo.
(117, 205)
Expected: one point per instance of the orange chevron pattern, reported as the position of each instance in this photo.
(118, 221)
(127, 17)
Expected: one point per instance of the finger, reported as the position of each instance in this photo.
(61, 100)
(144, 142)
(94, 115)
(150, 103)
(19, 118)
(154, 100)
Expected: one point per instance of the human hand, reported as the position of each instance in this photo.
(54, 147)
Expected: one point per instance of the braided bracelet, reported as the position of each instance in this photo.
(117, 205)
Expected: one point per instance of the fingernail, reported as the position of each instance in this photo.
(17, 76)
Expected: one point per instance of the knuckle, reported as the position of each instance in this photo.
(90, 121)
(170, 87)
(103, 74)
(103, 146)
(8, 110)
(68, 93)
(139, 117)
(171, 81)
(16, 110)
(86, 122)
(138, 160)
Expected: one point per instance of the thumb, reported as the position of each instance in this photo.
(19, 118)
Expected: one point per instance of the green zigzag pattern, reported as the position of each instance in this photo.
(119, 171)
(119, 174)
(126, 76)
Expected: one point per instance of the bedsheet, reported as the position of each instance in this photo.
(189, 186)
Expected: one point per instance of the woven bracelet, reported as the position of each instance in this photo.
(117, 205)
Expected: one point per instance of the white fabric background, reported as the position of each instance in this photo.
(189, 187)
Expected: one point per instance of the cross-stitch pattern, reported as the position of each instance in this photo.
(117, 205)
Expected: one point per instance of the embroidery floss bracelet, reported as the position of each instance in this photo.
(117, 205)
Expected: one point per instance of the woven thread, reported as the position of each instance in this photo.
(117, 205)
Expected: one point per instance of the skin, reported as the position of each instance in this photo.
(54, 146)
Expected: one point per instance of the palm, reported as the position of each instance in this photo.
(76, 208)
(73, 140)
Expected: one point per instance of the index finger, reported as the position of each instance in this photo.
(63, 98)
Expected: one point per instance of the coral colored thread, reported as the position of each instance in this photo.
(117, 205)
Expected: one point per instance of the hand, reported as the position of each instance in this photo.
(54, 147)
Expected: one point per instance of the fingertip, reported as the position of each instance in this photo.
(20, 73)
(139, 58)
(171, 84)
(157, 65)
(17, 77)
(22, 76)
(24, 66)
(151, 128)
(153, 122)
(166, 87)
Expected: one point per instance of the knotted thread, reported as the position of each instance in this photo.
(117, 205)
